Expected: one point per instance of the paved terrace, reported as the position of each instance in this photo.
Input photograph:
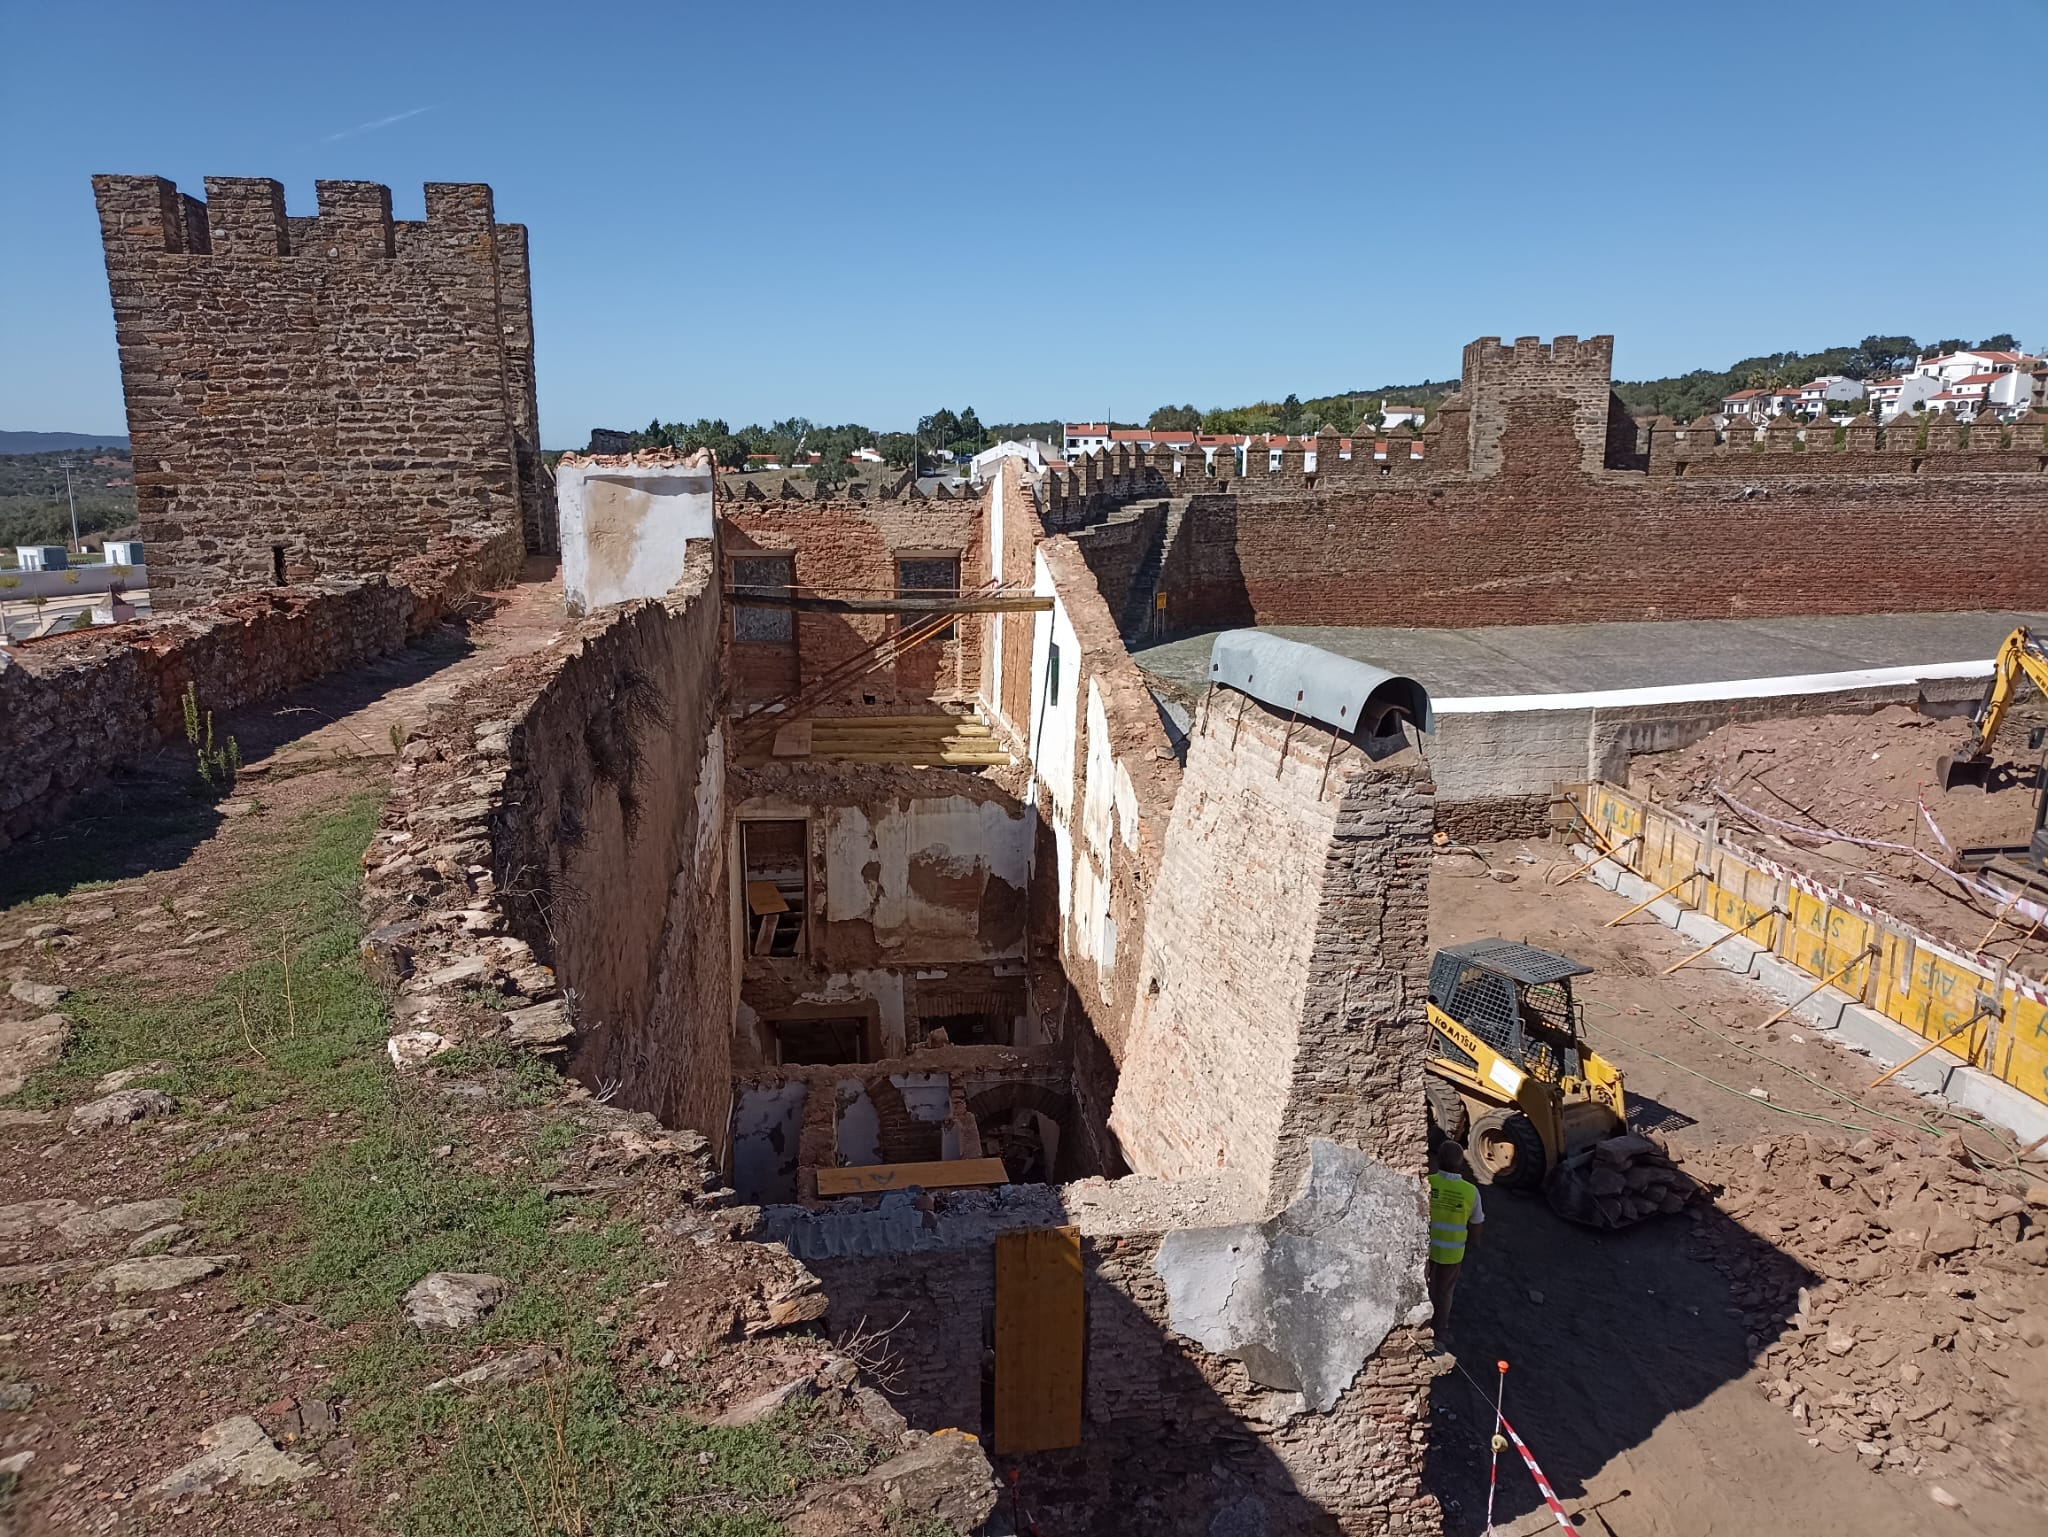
(1515, 661)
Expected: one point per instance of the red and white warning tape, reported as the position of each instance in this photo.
(1542, 1483)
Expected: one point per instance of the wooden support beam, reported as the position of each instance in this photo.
(966, 603)
(951, 1174)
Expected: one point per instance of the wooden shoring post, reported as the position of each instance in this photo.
(1769, 912)
(1237, 723)
(1690, 875)
(1932, 1046)
(1613, 853)
(1866, 953)
(1286, 737)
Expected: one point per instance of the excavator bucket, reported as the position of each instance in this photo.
(1619, 1182)
(1953, 769)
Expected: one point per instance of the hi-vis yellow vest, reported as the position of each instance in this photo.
(1451, 1200)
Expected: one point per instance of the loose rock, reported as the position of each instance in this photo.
(159, 1273)
(123, 1107)
(451, 1300)
(37, 995)
(113, 1221)
(237, 1450)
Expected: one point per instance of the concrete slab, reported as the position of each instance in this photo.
(1584, 658)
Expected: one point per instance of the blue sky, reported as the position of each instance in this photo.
(863, 212)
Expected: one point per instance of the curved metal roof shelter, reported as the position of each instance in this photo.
(1319, 684)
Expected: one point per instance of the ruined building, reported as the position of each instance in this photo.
(1081, 1048)
(319, 396)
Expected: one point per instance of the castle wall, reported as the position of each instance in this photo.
(609, 855)
(78, 707)
(1527, 501)
(1286, 954)
(319, 396)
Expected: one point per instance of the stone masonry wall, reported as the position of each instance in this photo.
(609, 850)
(1286, 954)
(319, 395)
(83, 705)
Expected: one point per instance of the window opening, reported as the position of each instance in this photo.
(818, 1042)
(776, 573)
(1052, 676)
(776, 859)
(928, 576)
(277, 565)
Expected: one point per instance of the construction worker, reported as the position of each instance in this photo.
(1455, 1216)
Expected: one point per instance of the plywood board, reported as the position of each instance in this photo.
(1039, 1339)
(763, 898)
(866, 1179)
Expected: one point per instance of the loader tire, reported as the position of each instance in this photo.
(1447, 1113)
(1504, 1149)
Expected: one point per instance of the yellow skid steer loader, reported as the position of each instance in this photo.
(1510, 1076)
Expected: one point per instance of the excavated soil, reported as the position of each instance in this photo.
(1873, 777)
(1849, 1323)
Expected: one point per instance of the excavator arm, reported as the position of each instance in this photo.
(2019, 657)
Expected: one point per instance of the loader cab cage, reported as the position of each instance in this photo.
(1516, 998)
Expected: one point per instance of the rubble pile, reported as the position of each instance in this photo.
(1619, 1181)
(1897, 1290)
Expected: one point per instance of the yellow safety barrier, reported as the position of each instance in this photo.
(1926, 984)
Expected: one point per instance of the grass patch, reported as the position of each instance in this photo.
(341, 1203)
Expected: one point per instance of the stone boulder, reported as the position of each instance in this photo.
(123, 1107)
(449, 1300)
(239, 1451)
(944, 1478)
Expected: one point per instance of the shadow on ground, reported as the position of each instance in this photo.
(1606, 1336)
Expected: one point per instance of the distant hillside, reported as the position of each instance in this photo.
(58, 442)
(33, 506)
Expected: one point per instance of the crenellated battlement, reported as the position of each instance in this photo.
(1787, 446)
(245, 216)
(1534, 358)
(319, 393)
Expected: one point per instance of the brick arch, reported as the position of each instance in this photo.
(993, 1106)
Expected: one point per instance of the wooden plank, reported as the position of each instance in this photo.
(762, 898)
(1039, 1339)
(952, 1173)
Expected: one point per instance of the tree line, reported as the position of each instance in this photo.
(939, 439)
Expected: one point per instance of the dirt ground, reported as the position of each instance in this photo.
(1869, 776)
(1641, 1362)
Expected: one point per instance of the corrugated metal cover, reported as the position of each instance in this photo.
(1309, 681)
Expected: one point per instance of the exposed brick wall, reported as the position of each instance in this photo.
(1286, 957)
(609, 849)
(1353, 1470)
(1123, 861)
(1521, 509)
(848, 548)
(80, 706)
(333, 392)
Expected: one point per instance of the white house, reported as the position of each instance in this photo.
(1401, 416)
(41, 557)
(1758, 403)
(1909, 392)
(1828, 393)
(1034, 453)
(1952, 367)
(1086, 438)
